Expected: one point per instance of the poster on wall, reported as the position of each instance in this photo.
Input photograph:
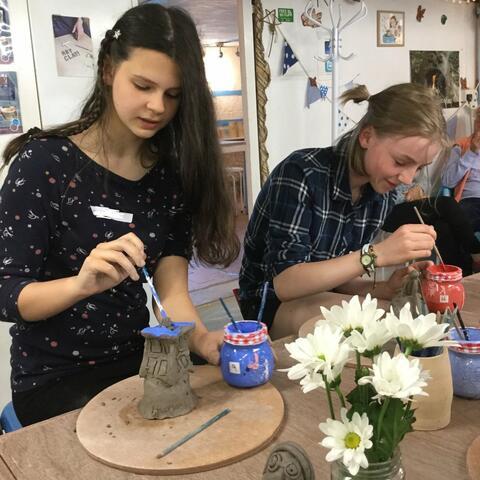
(10, 118)
(6, 49)
(438, 70)
(73, 46)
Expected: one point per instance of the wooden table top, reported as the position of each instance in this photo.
(50, 450)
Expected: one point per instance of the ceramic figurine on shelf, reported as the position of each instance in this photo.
(165, 367)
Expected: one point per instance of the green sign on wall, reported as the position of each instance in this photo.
(285, 14)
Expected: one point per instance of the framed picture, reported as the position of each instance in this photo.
(390, 28)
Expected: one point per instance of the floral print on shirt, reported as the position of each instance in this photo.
(47, 229)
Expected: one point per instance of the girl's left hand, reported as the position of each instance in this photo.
(208, 345)
(395, 282)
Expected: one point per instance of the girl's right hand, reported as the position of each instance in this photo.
(409, 242)
(110, 263)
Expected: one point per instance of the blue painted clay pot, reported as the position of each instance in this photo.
(246, 358)
(465, 362)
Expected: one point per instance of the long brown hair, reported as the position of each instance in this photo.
(406, 109)
(190, 142)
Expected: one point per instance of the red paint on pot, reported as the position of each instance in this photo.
(442, 287)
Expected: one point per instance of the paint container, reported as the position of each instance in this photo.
(246, 358)
(465, 363)
(442, 287)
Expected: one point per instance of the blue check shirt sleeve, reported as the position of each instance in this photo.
(290, 219)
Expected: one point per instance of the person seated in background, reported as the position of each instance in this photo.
(455, 241)
(462, 172)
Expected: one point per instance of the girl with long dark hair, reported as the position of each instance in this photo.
(136, 181)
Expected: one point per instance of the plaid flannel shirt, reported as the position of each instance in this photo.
(304, 213)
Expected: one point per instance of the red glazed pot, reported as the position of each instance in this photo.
(442, 287)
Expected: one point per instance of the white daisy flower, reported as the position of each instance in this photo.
(312, 381)
(419, 332)
(353, 315)
(325, 352)
(371, 339)
(396, 377)
(348, 440)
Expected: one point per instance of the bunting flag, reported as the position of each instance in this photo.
(345, 123)
(323, 91)
(351, 84)
(315, 92)
(289, 58)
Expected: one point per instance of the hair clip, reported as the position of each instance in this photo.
(116, 34)
(32, 131)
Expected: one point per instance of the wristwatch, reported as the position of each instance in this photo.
(368, 258)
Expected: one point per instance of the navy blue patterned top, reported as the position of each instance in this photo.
(47, 229)
(304, 213)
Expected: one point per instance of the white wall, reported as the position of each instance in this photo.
(291, 125)
(61, 97)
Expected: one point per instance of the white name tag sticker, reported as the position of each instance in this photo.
(111, 214)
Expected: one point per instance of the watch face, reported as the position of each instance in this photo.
(366, 260)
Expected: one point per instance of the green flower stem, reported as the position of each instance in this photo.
(359, 364)
(365, 396)
(340, 396)
(409, 406)
(382, 414)
(395, 433)
(329, 397)
(408, 350)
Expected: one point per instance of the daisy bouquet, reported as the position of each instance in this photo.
(375, 416)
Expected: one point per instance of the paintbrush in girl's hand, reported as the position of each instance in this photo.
(155, 296)
(434, 246)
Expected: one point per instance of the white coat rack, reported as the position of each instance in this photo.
(335, 56)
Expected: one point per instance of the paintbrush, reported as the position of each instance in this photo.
(434, 246)
(263, 302)
(460, 320)
(452, 319)
(230, 316)
(193, 433)
(155, 296)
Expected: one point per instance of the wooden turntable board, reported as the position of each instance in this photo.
(112, 430)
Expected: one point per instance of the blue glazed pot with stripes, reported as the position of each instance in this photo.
(465, 363)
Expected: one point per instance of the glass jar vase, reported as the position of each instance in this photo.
(392, 469)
